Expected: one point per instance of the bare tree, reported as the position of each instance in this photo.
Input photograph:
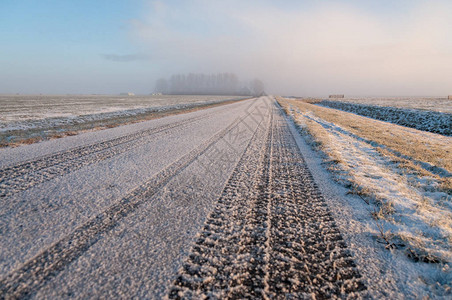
(202, 84)
(161, 86)
(257, 86)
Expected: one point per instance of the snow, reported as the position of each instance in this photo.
(141, 254)
(430, 227)
(432, 121)
(43, 112)
(438, 104)
(148, 243)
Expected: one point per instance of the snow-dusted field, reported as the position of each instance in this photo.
(436, 121)
(25, 111)
(218, 202)
(32, 118)
(422, 103)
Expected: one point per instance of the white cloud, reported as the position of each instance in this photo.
(319, 50)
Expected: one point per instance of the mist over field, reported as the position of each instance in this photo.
(317, 49)
(371, 48)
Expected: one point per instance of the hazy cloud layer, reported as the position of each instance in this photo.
(125, 58)
(314, 50)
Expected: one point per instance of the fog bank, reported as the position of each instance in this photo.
(315, 49)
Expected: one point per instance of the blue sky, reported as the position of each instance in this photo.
(49, 45)
(297, 47)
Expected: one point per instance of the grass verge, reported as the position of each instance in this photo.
(403, 174)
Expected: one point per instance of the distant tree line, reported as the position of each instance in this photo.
(208, 84)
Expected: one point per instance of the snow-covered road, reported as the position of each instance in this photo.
(216, 202)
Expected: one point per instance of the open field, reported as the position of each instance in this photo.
(17, 108)
(32, 118)
(426, 120)
(404, 175)
(439, 104)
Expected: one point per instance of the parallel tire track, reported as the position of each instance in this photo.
(23, 176)
(24, 281)
(271, 234)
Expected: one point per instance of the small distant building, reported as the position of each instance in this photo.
(336, 96)
(127, 94)
(156, 94)
(449, 97)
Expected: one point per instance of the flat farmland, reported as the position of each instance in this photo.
(439, 104)
(30, 118)
(426, 114)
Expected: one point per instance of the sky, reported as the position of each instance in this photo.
(302, 48)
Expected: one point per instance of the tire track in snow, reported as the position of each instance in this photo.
(35, 272)
(23, 176)
(271, 234)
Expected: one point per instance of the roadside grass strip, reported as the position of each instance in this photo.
(404, 176)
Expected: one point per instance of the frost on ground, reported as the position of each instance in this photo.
(437, 104)
(431, 121)
(216, 202)
(271, 235)
(115, 216)
(410, 200)
(38, 107)
(111, 213)
(27, 119)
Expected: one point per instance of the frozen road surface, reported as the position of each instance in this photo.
(216, 203)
